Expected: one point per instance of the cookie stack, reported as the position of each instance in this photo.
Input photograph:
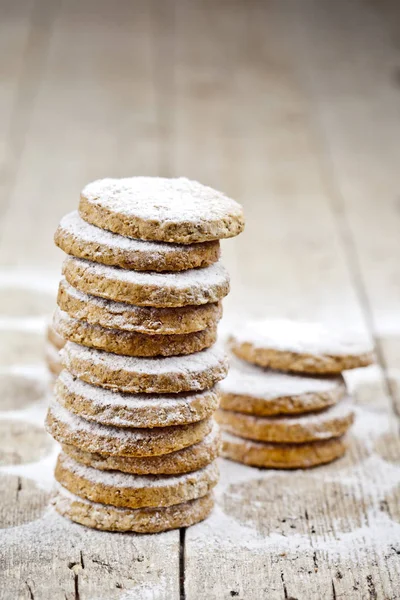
(54, 343)
(284, 403)
(139, 306)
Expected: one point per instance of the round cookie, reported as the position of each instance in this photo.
(294, 429)
(139, 520)
(53, 359)
(155, 208)
(130, 343)
(281, 456)
(78, 238)
(140, 319)
(134, 491)
(129, 374)
(297, 346)
(133, 410)
(54, 338)
(68, 428)
(186, 460)
(257, 391)
(162, 290)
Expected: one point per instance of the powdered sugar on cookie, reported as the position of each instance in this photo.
(299, 337)
(118, 479)
(250, 380)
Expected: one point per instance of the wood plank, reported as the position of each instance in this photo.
(357, 112)
(270, 536)
(25, 29)
(95, 114)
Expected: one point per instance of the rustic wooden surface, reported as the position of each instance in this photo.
(293, 108)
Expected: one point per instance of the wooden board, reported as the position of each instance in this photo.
(277, 104)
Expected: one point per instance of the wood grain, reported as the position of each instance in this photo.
(292, 108)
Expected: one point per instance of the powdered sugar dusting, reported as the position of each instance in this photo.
(101, 397)
(194, 279)
(300, 337)
(250, 380)
(117, 479)
(77, 424)
(191, 364)
(74, 225)
(342, 410)
(178, 200)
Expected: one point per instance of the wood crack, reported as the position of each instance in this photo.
(182, 536)
(31, 595)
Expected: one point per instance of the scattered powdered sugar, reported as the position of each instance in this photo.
(178, 200)
(193, 279)
(102, 397)
(125, 480)
(196, 363)
(246, 379)
(300, 337)
(73, 224)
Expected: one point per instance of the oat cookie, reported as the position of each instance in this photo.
(134, 491)
(155, 208)
(129, 374)
(262, 392)
(139, 520)
(182, 461)
(130, 343)
(140, 319)
(302, 347)
(162, 290)
(83, 240)
(329, 423)
(68, 428)
(133, 410)
(282, 456)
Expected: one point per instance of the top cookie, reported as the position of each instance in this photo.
(297, 346)
(76, 237)
(155, 208)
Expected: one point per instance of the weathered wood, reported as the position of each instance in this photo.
(279, 104)
(94, 114)
(270, 536)
(361, 149)
(25, 29)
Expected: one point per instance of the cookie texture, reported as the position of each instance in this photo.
(299, 347)
(133, 410)
(169, 375)
(139, 520)
(329, 423)
(140, 319)
(68, 428)
(155, 208)
(78, 238)
(282, 456)
(192, 287)
(182, 461)
(133, 491)
(262, 392)
(130, 343)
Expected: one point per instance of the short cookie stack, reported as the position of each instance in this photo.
(284, 403)
(139, 306)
